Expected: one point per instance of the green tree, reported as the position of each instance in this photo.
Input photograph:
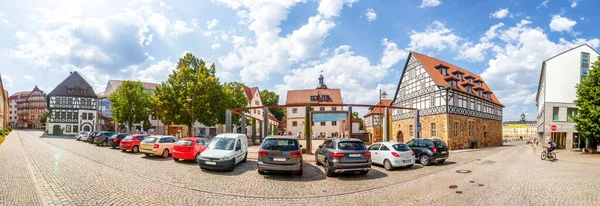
(588, 101)
(44, 117)
(130, 103)
(189, 94)
(232, 95)
(361, 123)
(271, 98)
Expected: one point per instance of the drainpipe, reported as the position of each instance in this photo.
(447, 118)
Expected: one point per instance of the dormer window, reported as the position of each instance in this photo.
(479, 93)
(469, 89)
(443, 69)
(69, 90)
(325, 98)
(453, 84)
(459, 76)
(470, 80)
(83, 91)
(479, 84)
(314, 98)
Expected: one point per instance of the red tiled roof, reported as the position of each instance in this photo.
(250, 92)
(430, 63)
(303, 96)
(380, 110)
(18, 94)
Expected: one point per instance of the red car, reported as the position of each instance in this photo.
(189, 148)
(132, 142)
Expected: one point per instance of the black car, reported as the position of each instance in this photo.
(91, 137)
(115, 140)
(428, 151)
(339, 155)
(102, 138)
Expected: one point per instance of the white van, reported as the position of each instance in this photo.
(224, 152)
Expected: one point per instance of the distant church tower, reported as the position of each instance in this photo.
(522, 117)
(321, 83)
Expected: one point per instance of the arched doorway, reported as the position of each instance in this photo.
(400, 136)
(87, 128)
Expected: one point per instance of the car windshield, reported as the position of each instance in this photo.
(184, 143)
(401, 147)
(347, 145)
(280, 144)
(222, 143)
(149, 140)
(129, 138)
(439, 143)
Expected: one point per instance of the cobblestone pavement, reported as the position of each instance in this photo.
(62, 171)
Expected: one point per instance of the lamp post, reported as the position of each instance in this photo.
(189, 100)
(382, 95)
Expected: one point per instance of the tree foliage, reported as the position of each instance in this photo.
(130, 103)
(361, 123)
(588, 101)
(271, 98)
(232, 96)
(44, 117)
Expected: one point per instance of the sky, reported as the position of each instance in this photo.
(360, 46)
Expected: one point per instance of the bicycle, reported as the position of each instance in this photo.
(551, 157)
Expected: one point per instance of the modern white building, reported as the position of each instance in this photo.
(72, 106)
(556, 95)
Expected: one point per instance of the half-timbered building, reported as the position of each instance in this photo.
(454, 105)
(72, 106)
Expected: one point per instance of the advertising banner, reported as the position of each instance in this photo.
(328, 117)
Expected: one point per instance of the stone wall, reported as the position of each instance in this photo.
(404, 125)
(463, 140)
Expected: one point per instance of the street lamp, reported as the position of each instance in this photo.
(382, 95)
(189, 100)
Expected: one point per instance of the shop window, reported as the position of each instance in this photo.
(571, 113)
(555, 116)
(68, 128)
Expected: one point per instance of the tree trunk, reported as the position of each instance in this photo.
(189, 134)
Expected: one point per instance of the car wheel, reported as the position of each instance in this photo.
(135, 149)
(165, 153)
(123, 150)
(245, 157)
(388, 165)
(424, 159)
(260, 172)
(328, 171)
(409, 166)
(175, 159)
(104, 143)
(298, 173)
(197, 157)
(114, 147)
(441, 161)
(147, 155)
(232, 165)
(317, 160)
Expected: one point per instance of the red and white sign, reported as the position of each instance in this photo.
(553, 128)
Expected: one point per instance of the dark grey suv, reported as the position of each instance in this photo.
(280, 154)
(343, 155)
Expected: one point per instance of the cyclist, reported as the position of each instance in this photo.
(550, 147)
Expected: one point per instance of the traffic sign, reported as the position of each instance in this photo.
(553, 128)
(419, 125)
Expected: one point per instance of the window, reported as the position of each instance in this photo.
(75, 128)
(294, 124)
(471, 129)
(383, 147)
(90, 116)
(258, 112)
(294, 110)
(585, 64)
(411, 131)
(325, 98)
(444, 71)
(334, 123)
(255, 102)
(374, 147)
(470, 80)
(68, 128)
(453, 84)
(469, 89)
(69, 90)
(322, 109)
(455, 129)
(571, 112)
(459, 76)
(432, 101)
(322, 123)
(433, 132)
(479, 93)
(555, 113)
(83, 91)
(314, 98)
(334, 109)
(238, 145)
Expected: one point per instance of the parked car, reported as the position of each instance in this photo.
(392, 154)
(132, 143)
(280, 154)
(86, 136)
(339, 155)
(189, 148)
(158, 145)
(102, 138)
(92, 139)
(80, 134)
(428, 151)
(115, 140)
(224, 152)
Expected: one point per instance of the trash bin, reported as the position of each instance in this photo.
(473, 144)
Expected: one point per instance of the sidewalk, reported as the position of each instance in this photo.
(571, 156)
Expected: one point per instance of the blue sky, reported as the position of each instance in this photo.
(359, 45)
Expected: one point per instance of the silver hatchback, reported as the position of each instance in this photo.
(280, 154)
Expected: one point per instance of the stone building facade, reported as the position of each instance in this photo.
(454, 105)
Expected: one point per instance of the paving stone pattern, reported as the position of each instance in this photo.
(62, 171)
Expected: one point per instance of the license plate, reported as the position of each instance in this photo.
(405, 161)
(279, 159)
(354, 155)
(444, 152)
(210, 163)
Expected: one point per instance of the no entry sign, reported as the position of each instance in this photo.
(553, 127)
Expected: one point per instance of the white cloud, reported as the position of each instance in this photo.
(212, 23)
(216, 46)
(7, 81)
(436, 36)
(164, 5)
(582, 18)
(3, 19)
(165, 26)
(371, 15)
(391, 54)
(331, 8)
(559, 23)
(491, 33)
(430, 3)
(157, 72)
(27, 77)
(543, 4)
(574, 3)
(474, 53)
(307, 40)
(501, 13)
